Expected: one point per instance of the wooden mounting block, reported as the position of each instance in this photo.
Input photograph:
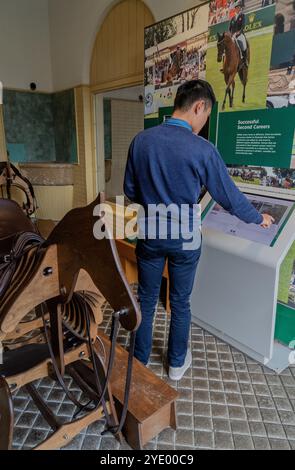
(152, 403)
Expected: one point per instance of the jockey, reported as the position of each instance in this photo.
(236, 29)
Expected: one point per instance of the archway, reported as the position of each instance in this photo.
(117, 63)
(118, 52)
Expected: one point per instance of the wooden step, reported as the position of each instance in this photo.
(152, 406)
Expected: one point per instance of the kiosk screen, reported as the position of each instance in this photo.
(222, 221)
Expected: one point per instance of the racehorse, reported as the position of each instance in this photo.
(173, 70)
(228, 51)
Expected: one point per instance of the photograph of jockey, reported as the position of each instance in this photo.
(239, 52)
(236, 28)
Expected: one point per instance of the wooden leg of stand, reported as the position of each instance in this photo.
(173, 416)
(46, 412)
(84, 378)
(67, 432)
(6, 416)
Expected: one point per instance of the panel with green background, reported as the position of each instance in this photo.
(257, 138)
(285, 325)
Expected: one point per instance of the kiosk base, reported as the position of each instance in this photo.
(281, 354)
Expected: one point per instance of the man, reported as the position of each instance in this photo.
(169, 164)
(236, 29)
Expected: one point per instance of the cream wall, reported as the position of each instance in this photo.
(25, 44)
(127, 121)
(73, 28)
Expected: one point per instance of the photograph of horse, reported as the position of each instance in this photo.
(238, 61)
(229, 53)
(173, 70)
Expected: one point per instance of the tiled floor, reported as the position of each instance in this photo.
(227, 401)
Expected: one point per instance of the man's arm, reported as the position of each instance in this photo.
(129, 180)
(225, 192)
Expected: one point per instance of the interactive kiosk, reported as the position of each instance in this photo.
(242, 285)
(245, 285)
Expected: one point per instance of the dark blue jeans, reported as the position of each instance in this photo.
(182, 265)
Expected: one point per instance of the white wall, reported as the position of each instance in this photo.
(131, 94)
(50, 41)
(74, 25)
(25, 44)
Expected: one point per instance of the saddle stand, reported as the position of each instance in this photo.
(51, 294)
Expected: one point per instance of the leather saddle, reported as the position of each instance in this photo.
(12, 221)
(18, 236)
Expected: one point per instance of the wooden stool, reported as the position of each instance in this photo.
(152, 406)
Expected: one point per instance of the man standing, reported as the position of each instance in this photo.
(168, 165)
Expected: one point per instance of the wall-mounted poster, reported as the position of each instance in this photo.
(281, 86)
(175, 51)
(282, 66)
(239, 52)
(246, 50)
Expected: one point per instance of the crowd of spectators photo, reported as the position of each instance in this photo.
(180, 63)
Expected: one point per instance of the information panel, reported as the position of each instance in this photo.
(222, 221)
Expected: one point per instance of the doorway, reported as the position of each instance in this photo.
(119, 118)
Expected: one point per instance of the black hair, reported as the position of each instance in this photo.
(192, 91)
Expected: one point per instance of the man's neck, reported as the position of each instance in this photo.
(182, 116)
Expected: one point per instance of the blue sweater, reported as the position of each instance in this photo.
(168, 164)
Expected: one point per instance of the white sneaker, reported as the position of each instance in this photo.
(176, 373)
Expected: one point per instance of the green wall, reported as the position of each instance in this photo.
(285, 324)
(40, 127)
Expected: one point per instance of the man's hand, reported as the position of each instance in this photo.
(268, 220)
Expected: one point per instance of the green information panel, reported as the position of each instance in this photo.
(257, 138)
(285, 325)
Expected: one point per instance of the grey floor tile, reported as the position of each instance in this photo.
(243, 442)
(219, 411)
(184, 407)
(290, 432)
(257, 429)
(227, 401)
(281, 444)
(240, 427)
(223, 441)
(275, 431)
(261, 443)
(202, 409)
(287, 418)
(185, 421)
(202, 423)
(204, 440)
(221, 425)
(237, 412)
(270, 416)
(184, 437)
(167, 436)
(91, 443)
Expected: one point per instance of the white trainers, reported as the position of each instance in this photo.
(176, 373)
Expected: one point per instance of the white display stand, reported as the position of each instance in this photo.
(236, 288)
